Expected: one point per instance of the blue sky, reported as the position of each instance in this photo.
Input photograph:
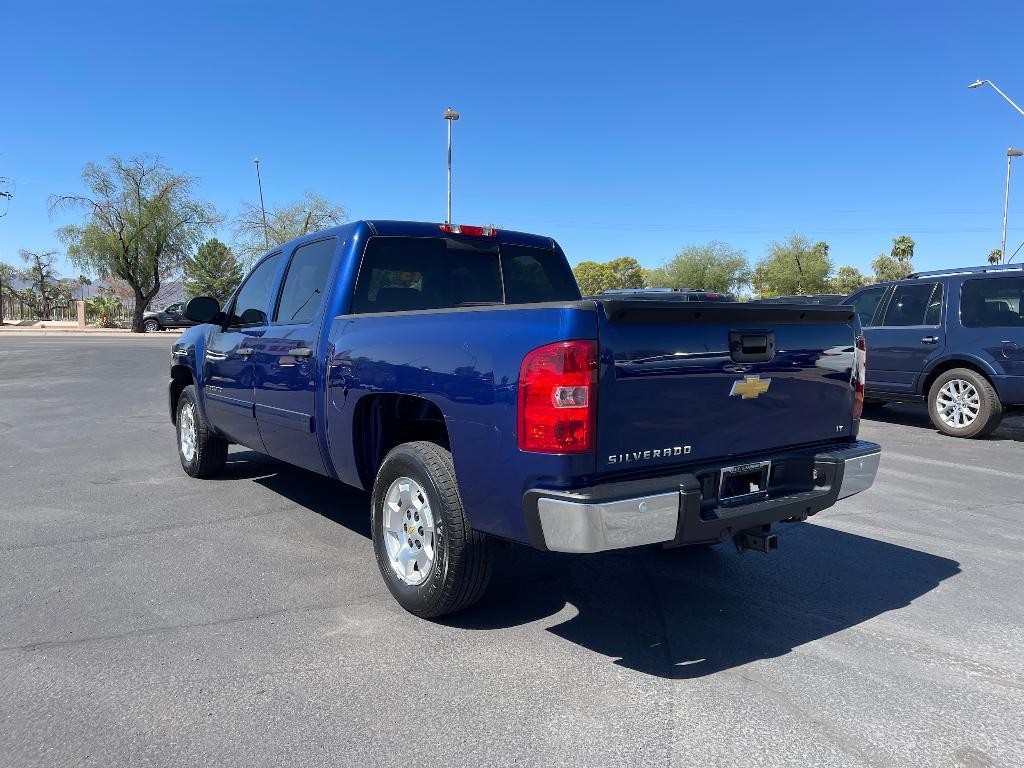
(619, 129)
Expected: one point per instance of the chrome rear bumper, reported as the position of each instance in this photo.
(674, 510)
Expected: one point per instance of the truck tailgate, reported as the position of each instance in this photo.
(685, 383)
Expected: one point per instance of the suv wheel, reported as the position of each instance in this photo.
(963, 403)
(431, 560)
(151, 326)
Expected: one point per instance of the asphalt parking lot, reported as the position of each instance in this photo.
(147, 618)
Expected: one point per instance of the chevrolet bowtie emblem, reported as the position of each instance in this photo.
(750, 387)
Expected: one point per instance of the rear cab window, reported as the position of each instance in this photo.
(418, 273)
(992, 303)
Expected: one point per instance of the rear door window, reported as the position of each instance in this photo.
(305, 283)
(992, 303)
(908, 305)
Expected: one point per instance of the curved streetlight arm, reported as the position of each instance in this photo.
(1008, 99)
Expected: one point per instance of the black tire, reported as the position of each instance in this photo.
(990, 409)
(461, 567)
(210, 451)
(152, 325)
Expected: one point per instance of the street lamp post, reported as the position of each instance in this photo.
(1010, 154)
(450, 115)
(263, 210)
(979, 83)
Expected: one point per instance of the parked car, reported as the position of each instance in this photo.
(456, 374)
(809, 298)
(951, 338)
(171, 316)
(668, 294)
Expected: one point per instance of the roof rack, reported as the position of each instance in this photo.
(969, 270)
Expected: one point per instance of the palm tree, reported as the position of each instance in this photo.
(105, 307)
(996, 256)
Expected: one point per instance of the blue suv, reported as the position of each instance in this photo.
(953, 339)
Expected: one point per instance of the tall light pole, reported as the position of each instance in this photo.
(263, 210)
(451, 116)
(1010, 154)
(979, 83)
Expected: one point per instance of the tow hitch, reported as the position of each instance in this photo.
(758, 539)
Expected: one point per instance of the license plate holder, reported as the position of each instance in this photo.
(743, 483)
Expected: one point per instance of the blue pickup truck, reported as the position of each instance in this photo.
(456, 374)
(953, 339)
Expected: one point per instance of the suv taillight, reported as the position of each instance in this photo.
(860, 375)
(558, 398)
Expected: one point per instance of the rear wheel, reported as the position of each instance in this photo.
(963, 403)
(152, 325)
(431, 560)
(201, 452)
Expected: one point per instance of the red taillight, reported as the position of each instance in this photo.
(558, 398)
(860, 375)
(469, 229)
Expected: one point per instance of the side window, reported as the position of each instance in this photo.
(866, 302)
(933, 315)
(992, 303)
(252, 299)
(414, 273)
(908, 304)
(306, 282)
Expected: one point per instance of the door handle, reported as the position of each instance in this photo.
(301, 352)
(930, 340)
(245, 351)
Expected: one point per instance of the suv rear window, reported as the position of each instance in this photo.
(992, 303)
(415, 273)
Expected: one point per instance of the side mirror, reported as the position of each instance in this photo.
(202, 309)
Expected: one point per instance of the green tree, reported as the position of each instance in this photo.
(898, 264)
(8, 274)
(82, 282)
(846, 280)
(594, 277)
(213, 271)
(104, 305)
(795, 267)
(628, 272)
(142, 220)
(714, 267)
(995, 256)
(283, 223)
(42, 274)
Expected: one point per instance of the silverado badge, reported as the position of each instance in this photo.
(750, 387)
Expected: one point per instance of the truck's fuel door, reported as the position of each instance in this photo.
(751, 346)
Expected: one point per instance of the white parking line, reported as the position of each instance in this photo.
(949, 464)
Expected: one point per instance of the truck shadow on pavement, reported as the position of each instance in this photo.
(913, 415)
(669, 613)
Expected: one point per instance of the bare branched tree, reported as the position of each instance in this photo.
(141, 222)
(41, 272)
(284, 222)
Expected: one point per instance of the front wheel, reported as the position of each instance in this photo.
(151, 326)
(201, 452)
(963, 403)
(431, 560)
